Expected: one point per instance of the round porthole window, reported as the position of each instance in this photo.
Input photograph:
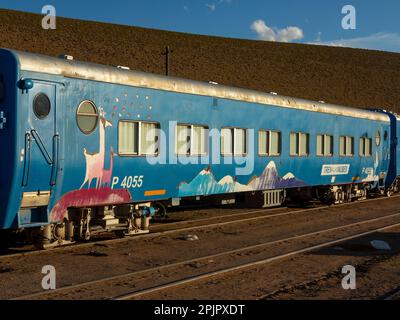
(41, 106)
(378, 138)
(87, 117)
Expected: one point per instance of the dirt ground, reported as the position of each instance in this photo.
(22, 275)
(352, 77)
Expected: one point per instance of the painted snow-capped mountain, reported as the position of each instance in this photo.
(205, 183)
(269, 178)
(290, 181)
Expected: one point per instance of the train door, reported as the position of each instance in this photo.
(41, 145)
(383, 151)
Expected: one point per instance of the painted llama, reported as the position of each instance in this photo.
(95, 161)
(107, 174)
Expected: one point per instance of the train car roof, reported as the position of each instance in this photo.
(109, 74)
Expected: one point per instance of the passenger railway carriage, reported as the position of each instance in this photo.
(86, 147)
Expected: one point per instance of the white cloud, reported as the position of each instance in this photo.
(377, 41)
(319, 37)
(212, 7)
(266, 33)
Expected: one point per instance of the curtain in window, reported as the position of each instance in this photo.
(303, 144)
(362, 147)
(342, 146)
(199, 140)
(148, 139)
(240, 142)
(226, 141)
(128, 134)
(368, 147)
(182, 140)
(320, 145)
(275, 144)
(328, 146)
(294, 144)
(262, 143)
(349, 146)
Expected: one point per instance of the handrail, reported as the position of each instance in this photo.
(41, 147)
(56, 162)
(27, 159)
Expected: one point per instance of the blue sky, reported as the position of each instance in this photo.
(306, 21)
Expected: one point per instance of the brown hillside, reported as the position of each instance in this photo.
(359, 78)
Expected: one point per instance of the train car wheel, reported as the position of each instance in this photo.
(161, 210)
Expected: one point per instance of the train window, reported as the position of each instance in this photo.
(346, 146)
(275, 143)
(342, 146)
(182, 140)
(269, 143)
(324, 145)
(227, 141)
(386, 135)
(299, 144)
(41, 106)
(191, 140)
(233, 141)
(87, 117)
(368, 147)
(365, 147)
(239, 141)
(378, 138)
(199, 140)
(138, 138)
(128, 133)
(294, 143)
(149, 138)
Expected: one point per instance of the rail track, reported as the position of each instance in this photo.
(174, 283)
(391, 295)
(190, 225)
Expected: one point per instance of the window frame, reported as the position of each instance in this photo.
(298, 147)
(324, 136)
(191, 154)
(233, 153)
(364, 154)
(87, 115)
(232, 142)
(345, 147)
(139, 153)
(34, 106)
(269, 132)
(378, 135)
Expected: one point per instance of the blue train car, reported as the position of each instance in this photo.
(87, 145)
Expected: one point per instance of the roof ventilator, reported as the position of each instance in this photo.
(66, 57)
(123, 68)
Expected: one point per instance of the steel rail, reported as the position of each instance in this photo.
(248, 265)
(191, 228)
(218, 255)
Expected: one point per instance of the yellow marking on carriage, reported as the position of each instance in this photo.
(153, 193)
